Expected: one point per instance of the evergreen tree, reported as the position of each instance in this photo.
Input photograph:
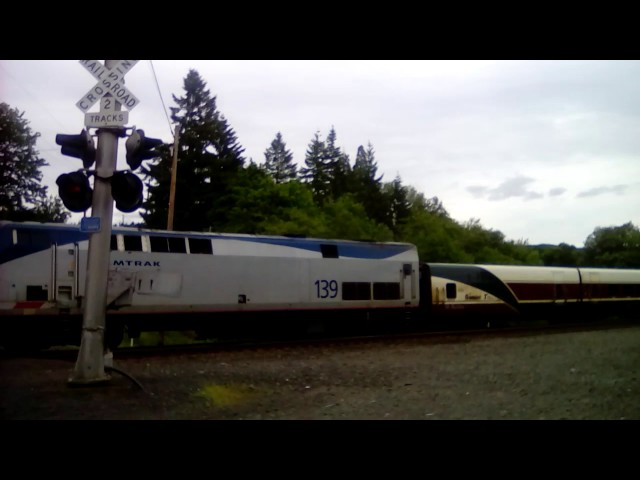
(367, 185)
(49, 209)
(317, 172)
(210, 159)
(22, 197)
(338, 167)
(365, 166)
(158, 180)
(399, 206)
(327, 171)
(279, 161)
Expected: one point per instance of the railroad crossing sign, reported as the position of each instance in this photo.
(109, 90)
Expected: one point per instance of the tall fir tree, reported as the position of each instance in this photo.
(22, 196)
(210, 158)
(316, 173)
(279, 161)
(365, 166)
(367, 185)
(399, 206)
(327, 168)
(338, 166)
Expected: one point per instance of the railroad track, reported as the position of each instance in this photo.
(421, 335)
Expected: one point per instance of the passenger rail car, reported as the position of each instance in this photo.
(534, 291)
(186, 280)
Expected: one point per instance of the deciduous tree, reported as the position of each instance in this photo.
(613, 247)
(22, 196)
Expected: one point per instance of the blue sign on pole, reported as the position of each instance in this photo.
(90, 224)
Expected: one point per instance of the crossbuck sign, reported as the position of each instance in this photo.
(109, 89)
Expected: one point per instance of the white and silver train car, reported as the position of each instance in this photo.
(186, 280)
(539, 291)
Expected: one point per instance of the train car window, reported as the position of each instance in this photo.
(386, 291)
(329, 251)
(132, 243)
(631, 290)
(451, 290)
(32, 238)
(177, 245)
(114, 243)
(200, 245)
(356, 291)
(159, 244)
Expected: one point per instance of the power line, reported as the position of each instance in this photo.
(159, 93)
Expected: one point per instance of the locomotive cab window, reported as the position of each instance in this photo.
(177, 245)
(159, 244)
(114, 243)
(167, 244)
(451, 290)
(132, 243)
(200, 245)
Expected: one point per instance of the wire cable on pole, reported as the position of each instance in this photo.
(159, 93)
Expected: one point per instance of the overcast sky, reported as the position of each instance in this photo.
(543, 151)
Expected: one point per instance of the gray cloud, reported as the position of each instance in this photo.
(594, 192)
(477, 191)
(554, 192)
(513, 187)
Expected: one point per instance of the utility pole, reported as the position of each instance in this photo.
(174, 174)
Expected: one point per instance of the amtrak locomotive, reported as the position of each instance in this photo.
(212, 282)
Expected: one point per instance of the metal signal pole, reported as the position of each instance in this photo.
(89, 368)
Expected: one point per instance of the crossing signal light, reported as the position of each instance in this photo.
(78, 146)
(126, 190)
(140, 148)
(75, 191)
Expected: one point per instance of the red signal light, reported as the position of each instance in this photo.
(75, 191)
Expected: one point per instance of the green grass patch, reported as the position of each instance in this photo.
(152, 339)
(225, 395)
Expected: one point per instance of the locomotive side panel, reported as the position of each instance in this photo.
(242, 275)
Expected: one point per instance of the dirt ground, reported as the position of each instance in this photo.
(591, 375)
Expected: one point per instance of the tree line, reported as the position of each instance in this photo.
(331, 196)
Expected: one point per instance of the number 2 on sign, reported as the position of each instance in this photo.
(326, 288)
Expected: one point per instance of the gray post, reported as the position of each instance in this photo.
(90, 364)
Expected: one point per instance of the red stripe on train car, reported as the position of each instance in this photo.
(29, 304)
(545, 291)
